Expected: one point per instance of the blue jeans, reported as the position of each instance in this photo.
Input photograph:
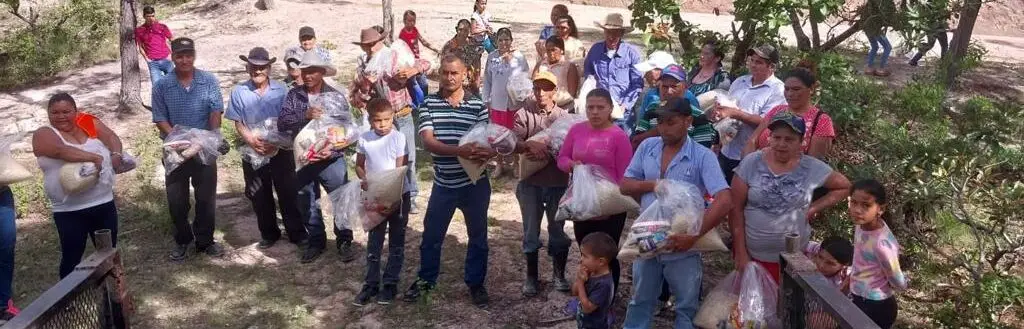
(473, 200)
(407, 127)
(886, 49)
(394, 227)
(7, 239)
(158, 68)
(683, 274)
(535, 202)
(74, 227)
(331, 174)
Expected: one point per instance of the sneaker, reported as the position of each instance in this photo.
(346, 251)
(365, 295)
(266, 244)
(179, 253)
(213, 250)
(387, 294)
(418, 289)
(311, 254)
(479, 296)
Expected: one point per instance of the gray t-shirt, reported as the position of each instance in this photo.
(777, 203)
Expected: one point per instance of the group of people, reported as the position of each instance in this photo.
(768, 180)
(879, 16)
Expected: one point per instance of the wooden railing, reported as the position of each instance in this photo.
(94, 296)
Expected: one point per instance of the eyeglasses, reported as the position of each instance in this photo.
(544, 88)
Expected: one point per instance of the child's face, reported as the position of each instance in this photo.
(863, 208)
(554, 53)
(827, 265)
(410, 22)
(382, 122)
(592, 263)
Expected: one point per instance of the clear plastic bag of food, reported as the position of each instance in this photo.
(487, 135)
(11, 171)
(557, 131)
(266, 131)
(386, 188)
(741, 300)
(592, 195)
(323, 134)
(679, 209)
(347, 205)
(184, 143)
(588, 85)
(727, 127)
(520, 87)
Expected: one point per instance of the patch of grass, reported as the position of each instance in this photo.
(30, 196)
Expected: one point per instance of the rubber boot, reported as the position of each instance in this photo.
(530, 286)
(558, 274)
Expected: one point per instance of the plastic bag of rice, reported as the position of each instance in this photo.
(487, 135)
(592, 195)
(11, 171)
(76, 177)
(386, 188)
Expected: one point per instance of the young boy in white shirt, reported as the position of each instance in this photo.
(383, 148)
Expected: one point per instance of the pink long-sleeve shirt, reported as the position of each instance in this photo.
(608, 148)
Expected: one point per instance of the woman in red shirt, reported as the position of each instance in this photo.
(801, 83)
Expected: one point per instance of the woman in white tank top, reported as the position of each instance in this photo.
(80, 214)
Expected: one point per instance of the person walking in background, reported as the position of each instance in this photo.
(191, 98)
(566, 72)
(599, 142)
(612, 63)
(307, 43)
(444, 118)
(756, 94)
(878, 17)
(328, 169)
(708, 75)
(252, 103)
(539, 194)
(152, 37)
(418, 85)
(76, 215)
(876, 275)
(936, 13)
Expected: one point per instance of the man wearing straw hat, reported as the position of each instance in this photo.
(313, 100)
(379, 75)
(252, 103)
(612, 63)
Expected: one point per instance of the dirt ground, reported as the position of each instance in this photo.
(251, 288)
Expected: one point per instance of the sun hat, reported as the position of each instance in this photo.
(369, 37)
(258, 56)
(614, 21)
(656, 60)
(312, 59)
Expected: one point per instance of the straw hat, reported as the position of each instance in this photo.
(615, 22)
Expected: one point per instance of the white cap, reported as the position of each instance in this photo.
(657, 60)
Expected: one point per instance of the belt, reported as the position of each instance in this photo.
(404, 112)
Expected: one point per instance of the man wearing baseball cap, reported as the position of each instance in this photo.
(672, 84)
(651, 70)
(307, 42)
(191, 98)
(756, 94)
(538, 194)
(689, 162)
(254, 103)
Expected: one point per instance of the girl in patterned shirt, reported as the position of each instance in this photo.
(876, 275)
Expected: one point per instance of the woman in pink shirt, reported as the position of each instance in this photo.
(601, 143)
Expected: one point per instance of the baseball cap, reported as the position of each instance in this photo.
(765, 51)
(786, 119)
(307, 31)
(182, 44)
(657, 60)
(674, 71)
(675, 105)
(543, 75)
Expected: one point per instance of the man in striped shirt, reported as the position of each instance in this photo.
(444, 118)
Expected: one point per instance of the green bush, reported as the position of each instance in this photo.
(78, 32)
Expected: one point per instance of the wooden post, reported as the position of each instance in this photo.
(104, 241)
(116, 288)
(792, 243)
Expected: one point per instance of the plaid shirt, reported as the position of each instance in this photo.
(190, 107)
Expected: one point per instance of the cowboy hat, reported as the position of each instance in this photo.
(369, 37)
(312, 59)
(615, 22)
(258, 56)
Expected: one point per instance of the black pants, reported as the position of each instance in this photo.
(260, 185)
(728, 165)
(75, 227)
(883, 312)
(927, 46)
(613, 226)
(203, 179)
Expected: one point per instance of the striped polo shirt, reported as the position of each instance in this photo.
(449, 125)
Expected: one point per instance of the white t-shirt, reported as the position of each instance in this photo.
(381, 152)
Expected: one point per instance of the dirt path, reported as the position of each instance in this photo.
(251, 288)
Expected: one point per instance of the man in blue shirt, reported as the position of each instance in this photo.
(612, 63)
(189, 97)
(689, 163)
(256, 103)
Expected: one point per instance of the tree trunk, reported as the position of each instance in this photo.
(739, 57)
(961, 40)
(802, 42)
(815, 35)
(131, 85)
(389, 21)
(839, 39)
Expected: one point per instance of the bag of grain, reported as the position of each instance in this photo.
(745, 299)
(553, 136)
(11, 171)
(679, 209)
(592, 195)
(76, 177)
(486, 135)
(325, 133)
(386, 188)
(347, 205)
